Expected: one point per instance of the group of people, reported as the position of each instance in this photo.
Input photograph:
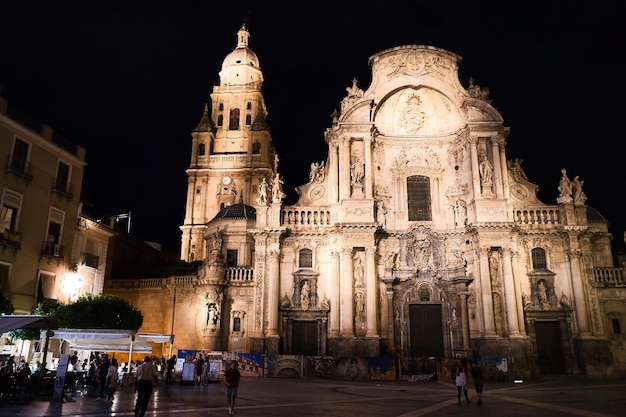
(460, 381)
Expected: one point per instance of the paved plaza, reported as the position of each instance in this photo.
(271, 397)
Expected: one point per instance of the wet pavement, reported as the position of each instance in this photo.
(272, 397)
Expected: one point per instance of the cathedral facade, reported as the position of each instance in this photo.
(416, 237)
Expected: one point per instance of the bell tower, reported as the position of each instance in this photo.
(232, 150)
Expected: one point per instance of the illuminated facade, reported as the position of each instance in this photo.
(416, 237)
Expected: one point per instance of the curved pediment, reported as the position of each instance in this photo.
(418, 111)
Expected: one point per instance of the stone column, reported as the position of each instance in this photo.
(372, 291)
(505, 172)
(344, 170)
(497, 168)
(346, 290)
(579, 303)
(367, 143)
(465, 321)
(521, 324)
(485, 293)
(510, 294)
(273, 294)
(335, 297)
(333, 173)
(475, 168)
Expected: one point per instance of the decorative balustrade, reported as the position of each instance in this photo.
(305, 217)
(609, 277)
(239, 274)
(536, 216)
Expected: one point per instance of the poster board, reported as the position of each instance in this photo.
(59, 380)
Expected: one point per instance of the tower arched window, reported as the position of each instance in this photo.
(305, 258)
(248, 120)
(220, 107)
(249, 106)
(220, 120)
(201, 149)
(256, 148)
(233, 124)
(539, 258)
(418, 196)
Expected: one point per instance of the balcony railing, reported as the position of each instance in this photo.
(305, 217)
(534, 216)
(609, 277)
(10, 239)
(22, 170)
(239, 274)
(63, 188)
(52, 250)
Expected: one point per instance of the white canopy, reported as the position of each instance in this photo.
(104, 340)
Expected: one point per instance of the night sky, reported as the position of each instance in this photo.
(129, 80)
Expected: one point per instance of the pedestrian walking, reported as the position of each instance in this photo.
(145, 375)
(461, 384)
(171, 363)
(479, 379)
(103, 370)
(111, 380)
(231, 379)
(199, 365)
(205, 371)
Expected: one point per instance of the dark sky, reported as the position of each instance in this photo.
(128, 81)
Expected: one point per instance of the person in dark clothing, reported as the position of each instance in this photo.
(479, 380)
(102, 376)
(171, 363)
(74, 361)
(231, 379)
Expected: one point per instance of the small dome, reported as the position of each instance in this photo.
(242, 55)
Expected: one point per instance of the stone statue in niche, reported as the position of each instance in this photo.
(486, 171)
(304, 295)
(358, 271)
(357, 170)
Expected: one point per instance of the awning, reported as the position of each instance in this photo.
(156, 337)
(13, 322)
(103, 340)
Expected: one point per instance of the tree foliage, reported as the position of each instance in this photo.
(102, 311)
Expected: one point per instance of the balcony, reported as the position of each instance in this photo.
(609, 277)
(53, 251)
(10, 239)
(63, 188)
(20, 169)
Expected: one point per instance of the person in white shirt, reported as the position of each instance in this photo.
(145, 375)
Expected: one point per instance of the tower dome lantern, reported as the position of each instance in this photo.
(241, 66)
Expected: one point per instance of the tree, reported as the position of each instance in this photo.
(102, 311)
